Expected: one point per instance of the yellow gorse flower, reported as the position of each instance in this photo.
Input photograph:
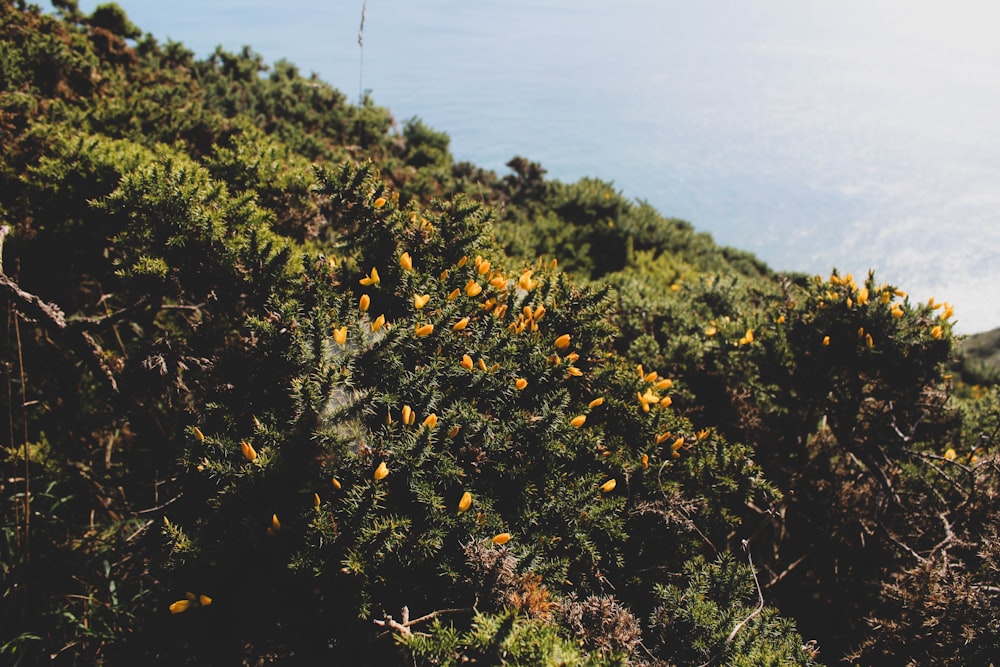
(520, 383)
(381, 472)
(249, 453)
(562, 342)
(406, 261)
(198, 434)
(181, 606)
(378, 323)
(862, 296)
(472, 288)
(596, 402)
(371, 279)
(379, 203)
(336, 483)
(665, 383)
(502, 538)
(420, 300)
(430, 421)
(578, 421)
(950, 454)
(275, 526)
(364, 302)
(574, 371)
(461, 262)
(466, 362)
(711, 331)
(483, 267)
(425, 330)
(525, 282)
(826, 341)
(408, 415)
(465, 502)
(453, 431)
(609, 486)
(747, 337)
(316, 501)
(461, 324)
(452, 295)
(937, 332)
(340, 336)
(645, 460)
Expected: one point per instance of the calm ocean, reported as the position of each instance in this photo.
(851, 133)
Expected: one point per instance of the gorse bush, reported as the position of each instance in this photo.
(287, 385)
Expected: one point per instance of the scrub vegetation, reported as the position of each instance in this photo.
(286, 384)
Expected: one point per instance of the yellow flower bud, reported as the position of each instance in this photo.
(406, 261)
(272, 530)
(198, 434)
(520, 383)
(180, 606)
(453, 431)
(461, 324)
(596, 402)
(378, 323)
(336, 483)
(711, 331)
(937, 332)
(502, 538)
(430, 421)
(462, 261)
(651, 376)
(340, 336)
(665, 383)
(364, 302)
(381, 472)
(574, 371)
(249, 453)
(408, 415)
(425, 330)
(466, 362)
(379, 203)
(562, 342)
(204, 600)
(645, 460)
(578, 421)
(316, 501)
(609, 486)
(826, 341)
(539, 313)
(950, 454)
(466, 502)
(452, 295)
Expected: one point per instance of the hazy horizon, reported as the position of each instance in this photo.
(850, 134)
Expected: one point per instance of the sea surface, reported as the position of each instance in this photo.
(851, 134)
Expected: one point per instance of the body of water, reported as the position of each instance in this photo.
(849, 133)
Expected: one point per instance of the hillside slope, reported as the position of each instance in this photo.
(286, 384)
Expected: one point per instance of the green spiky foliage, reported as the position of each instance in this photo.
(285, 384)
